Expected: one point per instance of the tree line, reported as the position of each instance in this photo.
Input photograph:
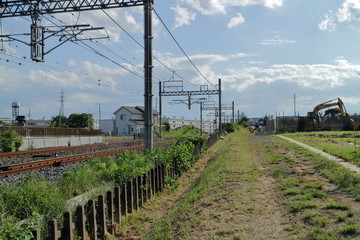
(75, 120)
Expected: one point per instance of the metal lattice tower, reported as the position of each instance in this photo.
(36, 8)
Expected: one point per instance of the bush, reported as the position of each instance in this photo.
(10, 141)
(22, 199)
(229, 127)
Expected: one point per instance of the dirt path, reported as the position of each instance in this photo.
(341, 161)
(249, 187)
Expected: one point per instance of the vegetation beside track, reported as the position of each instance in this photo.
(40, 200)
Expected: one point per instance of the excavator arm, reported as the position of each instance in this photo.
(328, 104)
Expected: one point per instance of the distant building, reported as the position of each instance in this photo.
(96, 124)
(38, 122)
(130, 121)
(175, 123)
(6, 121)
(107, 126)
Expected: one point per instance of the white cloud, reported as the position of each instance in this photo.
(209, 7)
(10, 79)
(200, 60)
(316, 76)
(328, 23)
(182, 16)
(348, 12)
(235, 21)
(130, 20)
(89, 75)
(277, 40)
(88, 98)
(204, 62)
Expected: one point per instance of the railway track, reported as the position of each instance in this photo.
(60, 161)
(57, 149)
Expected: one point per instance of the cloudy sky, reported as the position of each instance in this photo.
(265, 51)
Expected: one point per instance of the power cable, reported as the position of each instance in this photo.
(177, 43)
(157, 59)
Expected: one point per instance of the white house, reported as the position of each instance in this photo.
(130, 120)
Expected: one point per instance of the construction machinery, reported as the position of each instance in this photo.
(331, 103)
(313, 118)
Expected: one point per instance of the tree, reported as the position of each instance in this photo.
(59, 121)
(229, 127)
(166, 126)
(332, 113)
(80, 120)
(10, 141)
(243, 121)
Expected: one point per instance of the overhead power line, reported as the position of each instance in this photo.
(177, 43)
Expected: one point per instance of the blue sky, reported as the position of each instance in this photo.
(265, 51)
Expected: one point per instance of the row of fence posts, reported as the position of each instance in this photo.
(98, 218)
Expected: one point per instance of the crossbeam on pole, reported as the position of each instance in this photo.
(13, 8)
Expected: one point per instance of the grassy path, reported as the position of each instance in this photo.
(230, 201)
(254, 187)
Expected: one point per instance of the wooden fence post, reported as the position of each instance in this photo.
(36, 234)
(101, 217)
(110, 211)
(145, 187)
(123, 199)
(157, 178)
(149, 184)
(162, 180)
(91, 213)
(140, 190)
(152, 181)
(135, 194)
(53, 233)
(80, 222)
(117, 205)
(130, 199)
(67, 230)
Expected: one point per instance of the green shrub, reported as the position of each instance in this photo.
(10, 141)
(229, 127)
(179, 155)
(21, 200)
(10, 230)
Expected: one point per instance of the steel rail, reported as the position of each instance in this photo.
(49, 150)
(56, 162)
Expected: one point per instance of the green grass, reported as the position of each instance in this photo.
(297, 206)
(343, 144)
(218, 172)
(306, 198)
(337, 206)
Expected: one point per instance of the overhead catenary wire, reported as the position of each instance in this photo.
(182, 50)
(56, 68)
(104, 56)
(31, 64)
(139, 44)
